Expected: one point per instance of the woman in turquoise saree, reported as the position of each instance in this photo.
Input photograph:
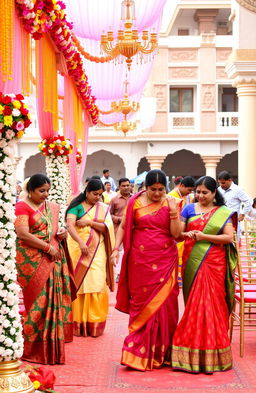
(201, 342)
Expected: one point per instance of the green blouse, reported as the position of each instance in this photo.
(78, 211)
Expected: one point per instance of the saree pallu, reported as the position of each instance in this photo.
(149, 268)
(92, 274)
(46, 288)
(201, 342)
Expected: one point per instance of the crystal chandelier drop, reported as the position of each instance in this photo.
(128, 44)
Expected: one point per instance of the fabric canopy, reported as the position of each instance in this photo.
(93, 17)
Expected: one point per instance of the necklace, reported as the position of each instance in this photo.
(43, 214)
(203, 213)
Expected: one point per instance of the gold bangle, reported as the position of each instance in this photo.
(173, 217)
(174, 214)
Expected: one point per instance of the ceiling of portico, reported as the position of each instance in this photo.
(183, 12)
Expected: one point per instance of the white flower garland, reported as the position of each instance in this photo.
(57, 171)
(11, 340)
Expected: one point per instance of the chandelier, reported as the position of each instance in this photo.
(124, 106)
(128, 44)
(125, 126)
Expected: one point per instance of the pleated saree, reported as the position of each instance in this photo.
(148, 286)
(46, 287)
(201, 342)
(93, 273)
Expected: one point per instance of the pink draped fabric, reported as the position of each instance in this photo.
(148, 287)
(91, 18)
(14, 85)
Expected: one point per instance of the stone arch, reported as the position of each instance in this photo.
(183, 163)
(229, 163)
(103, 159)
(34, 164)
(143, 166)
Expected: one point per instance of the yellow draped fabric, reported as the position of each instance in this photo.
(7, 35)
(26, 63)
(47, 65)
(91, 305)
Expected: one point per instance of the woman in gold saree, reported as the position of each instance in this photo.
(43, 274)
(148, 288)
(91, 235)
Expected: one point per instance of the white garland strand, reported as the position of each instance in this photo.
(11, 340)
(56, 168)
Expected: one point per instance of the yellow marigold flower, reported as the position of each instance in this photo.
(52, 145)
(8, 120)
(1, 109)
(25, 105)
(63, 143)
(20, 134)
(36, 384)
(16, 104)
(29, 116)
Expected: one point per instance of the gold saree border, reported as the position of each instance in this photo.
(151, 308)
(139, 363)
(201, 360)
(92, 329)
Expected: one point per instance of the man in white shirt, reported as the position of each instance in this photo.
(235, 197)
(108, 194)
(106, 177)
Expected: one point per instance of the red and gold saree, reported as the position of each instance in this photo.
(148, 287)
(201, 342)
(46, 287)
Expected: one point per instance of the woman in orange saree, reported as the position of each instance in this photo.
(201, 342)
(148, 288)
(43, 275)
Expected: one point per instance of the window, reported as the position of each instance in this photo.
(183, 31)
(229, 100)
(181, 100)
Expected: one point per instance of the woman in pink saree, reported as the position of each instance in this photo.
(148, 288)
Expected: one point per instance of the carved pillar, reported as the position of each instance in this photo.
(242, 69)
(211, 163)
(155, 162)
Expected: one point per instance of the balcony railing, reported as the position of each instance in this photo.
(182, 121)
(228, 121)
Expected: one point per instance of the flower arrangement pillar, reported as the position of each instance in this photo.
(56, 150)
(14, 119)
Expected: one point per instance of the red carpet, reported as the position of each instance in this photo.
(92, 366)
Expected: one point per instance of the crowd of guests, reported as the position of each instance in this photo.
(138, 239)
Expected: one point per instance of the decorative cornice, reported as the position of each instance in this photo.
(248, 4)
(241, 71)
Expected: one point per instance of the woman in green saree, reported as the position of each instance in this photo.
(201, 342)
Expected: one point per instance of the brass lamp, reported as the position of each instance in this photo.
(128, 44)
(125, 126)
(124, 106)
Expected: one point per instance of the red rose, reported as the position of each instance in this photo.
(6, 100)
(14, 125)
(7, 110)
(19, 97)
(24, 111)
(45, 376)
(27, 123)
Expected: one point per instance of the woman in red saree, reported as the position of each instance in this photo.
(43, 275)
(201, 342)
(148, 286)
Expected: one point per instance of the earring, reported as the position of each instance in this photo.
(29, 195)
